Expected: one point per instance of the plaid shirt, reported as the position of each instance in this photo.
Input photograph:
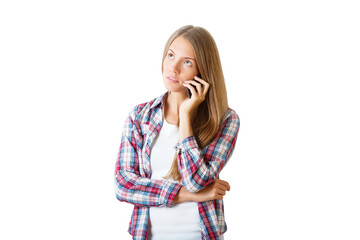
(197, 168)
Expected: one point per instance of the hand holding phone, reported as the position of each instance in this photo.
(188, 90)
(201, 88)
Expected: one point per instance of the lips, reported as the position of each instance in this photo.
(171, 79)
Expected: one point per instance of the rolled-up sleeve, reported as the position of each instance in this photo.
(132, 188)
(199, 168)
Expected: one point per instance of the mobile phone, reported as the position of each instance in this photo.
(188, 90)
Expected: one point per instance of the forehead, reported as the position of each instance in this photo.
(182, 47)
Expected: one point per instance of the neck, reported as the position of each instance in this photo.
(174, 101)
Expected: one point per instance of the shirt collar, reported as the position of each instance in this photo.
(160, 100)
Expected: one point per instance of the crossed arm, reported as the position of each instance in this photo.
(199, 171)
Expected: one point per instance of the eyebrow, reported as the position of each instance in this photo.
(184, 57)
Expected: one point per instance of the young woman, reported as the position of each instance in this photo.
(174, 146)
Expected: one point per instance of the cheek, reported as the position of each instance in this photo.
(165, 65)
(192, 72)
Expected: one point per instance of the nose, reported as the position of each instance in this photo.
(174, 67)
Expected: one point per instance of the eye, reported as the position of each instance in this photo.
(187, 62)
(170, 55)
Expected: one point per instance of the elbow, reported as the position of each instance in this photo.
(118, 197)
(194, 184)
(120, 191)
(192, 188)
(121, 194)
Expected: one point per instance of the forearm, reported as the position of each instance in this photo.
(185, 129)
(200, 167)
(184, 196)
(215, 190)
(141, 191)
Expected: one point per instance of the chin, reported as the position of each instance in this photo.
(175, 89)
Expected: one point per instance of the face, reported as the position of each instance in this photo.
(179, 65)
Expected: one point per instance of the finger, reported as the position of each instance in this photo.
(206, 88)
(221, 192)
(196, 84)
(191, 88)
(219, 197)
(226, 184)
(198, 87)
(222, 187)
(201, 80)
(220, 184)
(196, 81)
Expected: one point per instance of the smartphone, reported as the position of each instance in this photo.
(188, 90)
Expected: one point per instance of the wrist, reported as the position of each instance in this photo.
(185, 129)
(183, 196)
(185, 117)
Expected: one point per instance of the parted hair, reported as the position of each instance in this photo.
(211, 111)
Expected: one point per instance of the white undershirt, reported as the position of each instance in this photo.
(182, 221)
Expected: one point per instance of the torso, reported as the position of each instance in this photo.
(182, 220)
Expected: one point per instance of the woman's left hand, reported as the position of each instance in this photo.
(198, 94)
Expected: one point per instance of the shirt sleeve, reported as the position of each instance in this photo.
(197, 168)
(130, 187)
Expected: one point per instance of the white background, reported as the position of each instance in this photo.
(71, 71)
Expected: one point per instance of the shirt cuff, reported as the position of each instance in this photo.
(168, 193)
(187, 144)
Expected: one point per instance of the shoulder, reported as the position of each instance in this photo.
(230, 124)
(231, 116)
(142, 112)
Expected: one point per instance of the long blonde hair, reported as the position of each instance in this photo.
(212, 110)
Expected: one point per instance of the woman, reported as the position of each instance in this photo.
(187, 136)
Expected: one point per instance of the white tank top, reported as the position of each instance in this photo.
(182, 221)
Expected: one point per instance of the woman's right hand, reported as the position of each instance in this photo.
(215, 190)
